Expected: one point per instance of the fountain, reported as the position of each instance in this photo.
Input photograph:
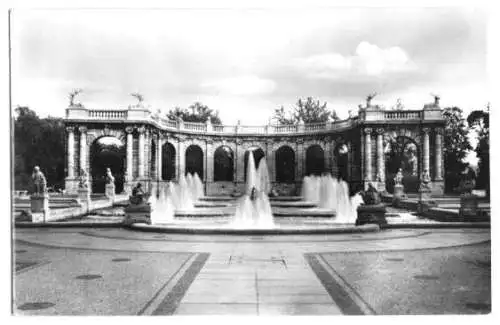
(254, 208)
(332, 194)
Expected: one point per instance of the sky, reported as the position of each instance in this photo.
(245, 63)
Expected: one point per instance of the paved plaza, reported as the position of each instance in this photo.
(84, 271)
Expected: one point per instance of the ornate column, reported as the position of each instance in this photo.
(182, 157)
(439, 154)
(299, 160)
(271, 161)
(380, 155)
(83, 148)
(328, 155)
(129, 155)
(159, 158)
(71, 151)
(209, 165)
(426, 149)
(141, 131)
(368, 154)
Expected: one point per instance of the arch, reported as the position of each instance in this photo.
(223, 164)
(315, 160)
(285, 164)
(107, 152)
(258, 154)
(194, 160)
(168, 162)
(402, 152)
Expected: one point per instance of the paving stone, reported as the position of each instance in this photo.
(299, 309)
(216, 309)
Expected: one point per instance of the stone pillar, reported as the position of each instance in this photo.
(182, 158)
(141, 131)
(159, 159)
(299, 165)
(439, 155)
(368, 155)
(83, 148)
(40, 211)
(271, 162)
(426, 149)
(380, 160)
(71, 183)
(328, 155)
(209, 165)
(129, 168)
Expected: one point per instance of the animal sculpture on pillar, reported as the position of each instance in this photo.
(39, 182)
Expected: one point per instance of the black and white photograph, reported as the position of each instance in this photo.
(250, 160)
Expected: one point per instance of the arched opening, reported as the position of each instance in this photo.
(341, 154)
(107, 152)
(258, 154)
(194, 160)
(285, 165)
(223, 164)
(315, 160)
(402, 152)
(168, 162)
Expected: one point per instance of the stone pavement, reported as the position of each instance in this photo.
(121, 272)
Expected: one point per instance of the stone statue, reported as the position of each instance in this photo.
(253, 194)
(436, 99)
(39, 181)
(426, 178)
(467, 180)
(110, 179)
(137, 196)
(369, 98)
(84, 179)
(398, 180)
(371, 195)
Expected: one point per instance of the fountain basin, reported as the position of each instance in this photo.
(281, 229)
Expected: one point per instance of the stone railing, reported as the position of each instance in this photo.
(403, 115)
(107, 114)
(145, 116)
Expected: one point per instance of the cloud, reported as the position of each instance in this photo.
(369, 60)
(242, 85)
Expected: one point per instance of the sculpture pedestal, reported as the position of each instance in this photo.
(110, 192)
(425, 201)
(39, 207)
(137, 213)
(398, 195)
(468, 205)
(371, 214)
(84, 197)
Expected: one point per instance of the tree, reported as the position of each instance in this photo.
(38, 142)
(308, 111)
(197, 112)
(479, 121)
(456, 145)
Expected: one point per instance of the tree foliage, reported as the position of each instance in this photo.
(479, 121)
(456, 145)
(197, 112)
(308, 111)
(38, 142)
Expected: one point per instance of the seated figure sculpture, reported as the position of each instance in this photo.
(371, 196)
(39, 181)
(137, 196)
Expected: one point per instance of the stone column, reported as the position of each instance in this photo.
(83, 148)
(209, 165)
(439, 154)
(71, 151)
(380, 159)
(368, 155)
(129, 168)
(141, 131)
(271, 161)
(159, 159)
(328, 155)
(299, 161)
(182, 157)
(426, 148)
